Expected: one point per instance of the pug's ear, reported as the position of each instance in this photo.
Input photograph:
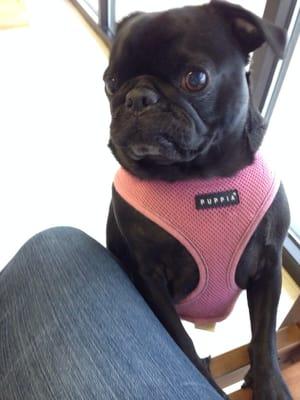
(250, 30)
(125, 20)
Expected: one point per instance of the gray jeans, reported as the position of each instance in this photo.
(72, 326)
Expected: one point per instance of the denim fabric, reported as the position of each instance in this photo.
(72, 326)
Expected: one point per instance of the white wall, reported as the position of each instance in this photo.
(55, 167)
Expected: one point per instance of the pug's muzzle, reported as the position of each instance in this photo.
(156, 126)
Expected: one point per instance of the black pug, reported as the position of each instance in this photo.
(185, 130)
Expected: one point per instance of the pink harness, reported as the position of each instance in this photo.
(214, 219)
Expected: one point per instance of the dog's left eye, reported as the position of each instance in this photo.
(194, 81)
(111, 86)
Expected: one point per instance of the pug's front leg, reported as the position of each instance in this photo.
(263, 295)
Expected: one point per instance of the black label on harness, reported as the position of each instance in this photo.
(215, 200)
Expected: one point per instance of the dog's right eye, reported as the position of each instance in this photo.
(111, 86)
(194, 81)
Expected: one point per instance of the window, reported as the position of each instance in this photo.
(283, 138)
(91, 7)
(100, 14)
(277, 87)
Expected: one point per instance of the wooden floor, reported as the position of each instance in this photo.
(291, 376)
(230, 368)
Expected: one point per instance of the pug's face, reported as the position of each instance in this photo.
(178, 91)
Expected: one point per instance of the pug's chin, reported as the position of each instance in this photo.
(147, 168)
(151, 159)
(166, 154)
(164, 168)
(163, 160)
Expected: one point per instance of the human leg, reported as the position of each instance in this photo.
(72, 326)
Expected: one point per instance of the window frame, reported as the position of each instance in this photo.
(103, 21)
(265, 64)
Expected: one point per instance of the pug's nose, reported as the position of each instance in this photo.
(140, 98)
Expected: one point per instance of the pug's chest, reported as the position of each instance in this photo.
(193, 232)
(151, 251)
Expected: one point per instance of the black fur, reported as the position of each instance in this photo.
(160, 130)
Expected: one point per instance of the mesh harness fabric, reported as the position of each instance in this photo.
(214, 220)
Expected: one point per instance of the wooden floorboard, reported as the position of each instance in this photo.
(230, 367)
(242, 394)
(291, 375)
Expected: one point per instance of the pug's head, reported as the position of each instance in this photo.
(179, 93)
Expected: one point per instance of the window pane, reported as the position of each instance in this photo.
(282, 141)
(124, 8)
(94, 4)
(91, 7)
